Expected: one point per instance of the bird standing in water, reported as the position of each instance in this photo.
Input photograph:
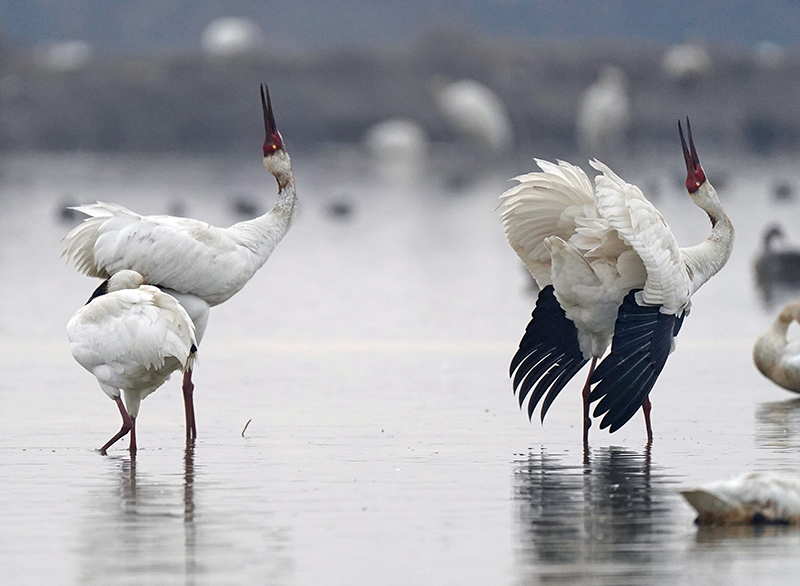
(199, 264)
(610, 272)
(131, 337)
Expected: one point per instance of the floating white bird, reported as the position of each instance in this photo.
(604, 113)
(477, 113)
(776, 357)
(607, 264)
(199, 264)
(131, 337)
(754, 498)
(777, 267)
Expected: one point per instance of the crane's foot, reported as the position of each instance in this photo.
(127, 425)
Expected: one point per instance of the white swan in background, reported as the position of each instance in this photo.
(477, 113)
(776, 357)
(607, 265)
(754, 498)
(604, 114)
(199, 264)
(131, 337)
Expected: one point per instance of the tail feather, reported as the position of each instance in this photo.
(78, 245)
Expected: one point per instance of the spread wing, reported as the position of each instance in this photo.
(642, 342)
(539, 207)
(644, 229)
(548, 356)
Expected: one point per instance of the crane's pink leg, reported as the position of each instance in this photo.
(127, 425)
(587, 389)
(188, 403)
(132, 447)
(646, 407)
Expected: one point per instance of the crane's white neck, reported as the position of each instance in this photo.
(262, 234)
(705, 260)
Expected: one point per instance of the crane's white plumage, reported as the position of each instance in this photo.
(186, 255)
(757, 497)
(199, 264)
(607, 265)
(131, 337)
(642, 227)
(776, 356)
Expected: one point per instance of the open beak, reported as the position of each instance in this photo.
(266, 106)
(273, 142)
(689, 154)
(695, 176)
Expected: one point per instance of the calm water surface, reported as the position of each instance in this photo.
(385, 446)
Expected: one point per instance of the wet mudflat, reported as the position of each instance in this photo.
(385, 446)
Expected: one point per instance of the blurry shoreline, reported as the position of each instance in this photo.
(203, 104)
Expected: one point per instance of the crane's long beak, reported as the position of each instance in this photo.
(273, 142)
(689, 154)
(695, 176)
(266, 105)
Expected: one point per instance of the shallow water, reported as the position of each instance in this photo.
(385, 446)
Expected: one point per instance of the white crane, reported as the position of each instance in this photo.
(753, 498)
(604, 113)
(607, 265)
(476, 112)
(131, 337)
(199, 264)
(777, 357)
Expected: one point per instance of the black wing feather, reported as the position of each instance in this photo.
(640, 347)
(549, 354)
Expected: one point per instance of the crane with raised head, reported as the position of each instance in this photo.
(199, 264)
(610, 272)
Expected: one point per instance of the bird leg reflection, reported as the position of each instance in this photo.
(188, 403)
(128, 424)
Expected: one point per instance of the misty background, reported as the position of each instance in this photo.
(158, 77)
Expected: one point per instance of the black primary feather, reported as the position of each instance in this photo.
(549, 354)
(99, 292)
(640, 347)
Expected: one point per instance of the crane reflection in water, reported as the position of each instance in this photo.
(609, 514)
